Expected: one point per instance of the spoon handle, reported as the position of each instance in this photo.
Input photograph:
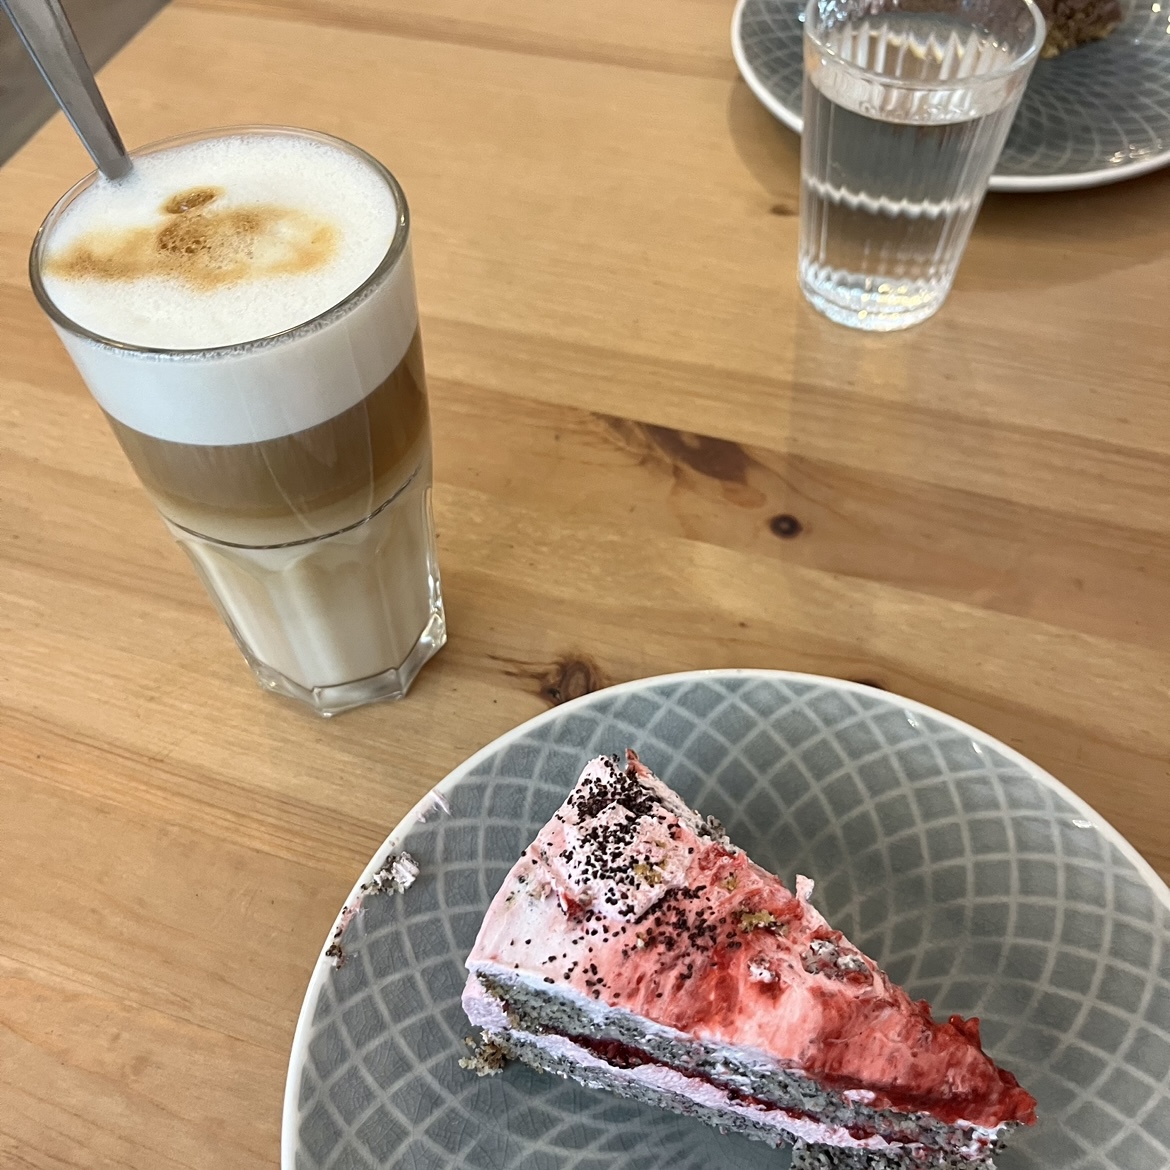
(45, 30)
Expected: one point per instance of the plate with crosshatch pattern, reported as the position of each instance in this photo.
(973, 877)
(1095, 115)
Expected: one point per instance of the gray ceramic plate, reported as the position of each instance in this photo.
(1095, 115)
(973, 877)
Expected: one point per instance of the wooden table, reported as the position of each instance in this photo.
(651, 455)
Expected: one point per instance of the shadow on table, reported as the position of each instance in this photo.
(769, 150)
(102, 27)
(1083, 233)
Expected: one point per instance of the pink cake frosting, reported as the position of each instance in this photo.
(628, 899)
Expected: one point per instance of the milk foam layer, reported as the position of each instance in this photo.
(289, 192)
(252, 391)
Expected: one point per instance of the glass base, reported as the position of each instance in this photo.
(335, 621)
(871, 303)
(390, 684)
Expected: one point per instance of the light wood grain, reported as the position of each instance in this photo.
(650, 456)
(671, 36)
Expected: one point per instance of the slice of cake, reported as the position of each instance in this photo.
(1077, 22)
(634, 948)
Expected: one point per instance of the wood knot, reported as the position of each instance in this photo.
(785, 526)
(570, 678)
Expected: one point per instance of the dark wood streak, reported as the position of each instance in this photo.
(687, 454)
(569, 677)
(717, 458)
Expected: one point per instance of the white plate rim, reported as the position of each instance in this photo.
(1072, 181)
(300, 1044)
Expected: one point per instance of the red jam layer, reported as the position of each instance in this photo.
(622, 1055)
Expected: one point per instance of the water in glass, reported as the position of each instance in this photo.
(905, 115)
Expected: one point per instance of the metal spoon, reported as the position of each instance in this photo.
(48, 36)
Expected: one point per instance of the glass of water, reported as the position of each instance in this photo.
(906, 107)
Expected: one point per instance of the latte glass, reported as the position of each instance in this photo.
(294, 469)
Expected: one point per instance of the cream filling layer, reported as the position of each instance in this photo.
(486, 1012)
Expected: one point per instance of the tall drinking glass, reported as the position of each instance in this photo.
(906, 107)
(292, 462)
